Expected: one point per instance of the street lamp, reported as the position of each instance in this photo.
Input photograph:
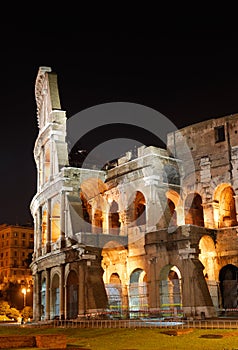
(24, 291)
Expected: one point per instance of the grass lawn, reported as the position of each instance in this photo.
(135, 339)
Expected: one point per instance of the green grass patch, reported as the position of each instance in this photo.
(136, 339)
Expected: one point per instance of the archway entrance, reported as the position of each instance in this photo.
(228, 283)
(138, 298)
(170, 288)
(72, 295)
(207, 257)
(114, 294)
(55, 311)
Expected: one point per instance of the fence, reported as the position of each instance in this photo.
(147, 323)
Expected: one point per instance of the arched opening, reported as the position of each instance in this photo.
(92, 190)
(44, 227)
(55, 297)
(46, 162)
(114, 294)
(86, 209)
(72, 295)
(43, 299)
(137, 210)
(55, 222)
(138, 297)
(224, 197)
(207, 257)
(170, 289)
(114, 222)
(172, 211)
(194, 210)
(228, 277)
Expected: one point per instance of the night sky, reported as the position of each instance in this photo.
(188, 78)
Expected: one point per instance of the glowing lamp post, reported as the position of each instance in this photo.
(24, 291)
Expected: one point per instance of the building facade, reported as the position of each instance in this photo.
(16, 248)
(154, 231)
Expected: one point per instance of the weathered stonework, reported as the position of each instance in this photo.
(152, 232)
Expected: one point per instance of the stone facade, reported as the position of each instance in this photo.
(153, 232)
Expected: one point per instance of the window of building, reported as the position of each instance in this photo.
(23, 243)
(31, 235)
(15, 253)
(3, 235)
(219, 133)
(15, 234)
(6, 253)
(23, 253)
(14, 272)
(15, 242)
(23, 235)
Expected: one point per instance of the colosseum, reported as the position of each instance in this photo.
(152, 233)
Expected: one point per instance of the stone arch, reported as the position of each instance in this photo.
(137, 209)
(207, 257)
(228, 277)
(55, 296)
(114, 293)
(172, 201)
(55, 222)
(86, 209)
(225, 208)
(194, 210)
(92, 190)
(170, 287)
(113, 255)
(72, 295)
(114, 219)
(138, 297)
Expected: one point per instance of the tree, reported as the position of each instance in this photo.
(4, 307)
(13, 313)
(27, 312)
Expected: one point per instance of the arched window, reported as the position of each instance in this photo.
(114, 223)
(139, 209)
(194, 210)
(138, 298)
(55, 222)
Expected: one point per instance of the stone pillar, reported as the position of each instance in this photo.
(37, 296)
(236, 204)
(208, 214)
(48, 236)
(82, 306)
(62, 292)
(62, 219)
(196, 298)
(38, 233)
(153, 284)
(47, 295)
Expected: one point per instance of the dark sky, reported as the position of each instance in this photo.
(188, 77)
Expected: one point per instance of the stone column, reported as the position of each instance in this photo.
(82, 306)
(47, 295)
(208, 214)
(62, 292)
(48, 236)
(236, 204)
(38, 233)
(37, 296)
(62, 219)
